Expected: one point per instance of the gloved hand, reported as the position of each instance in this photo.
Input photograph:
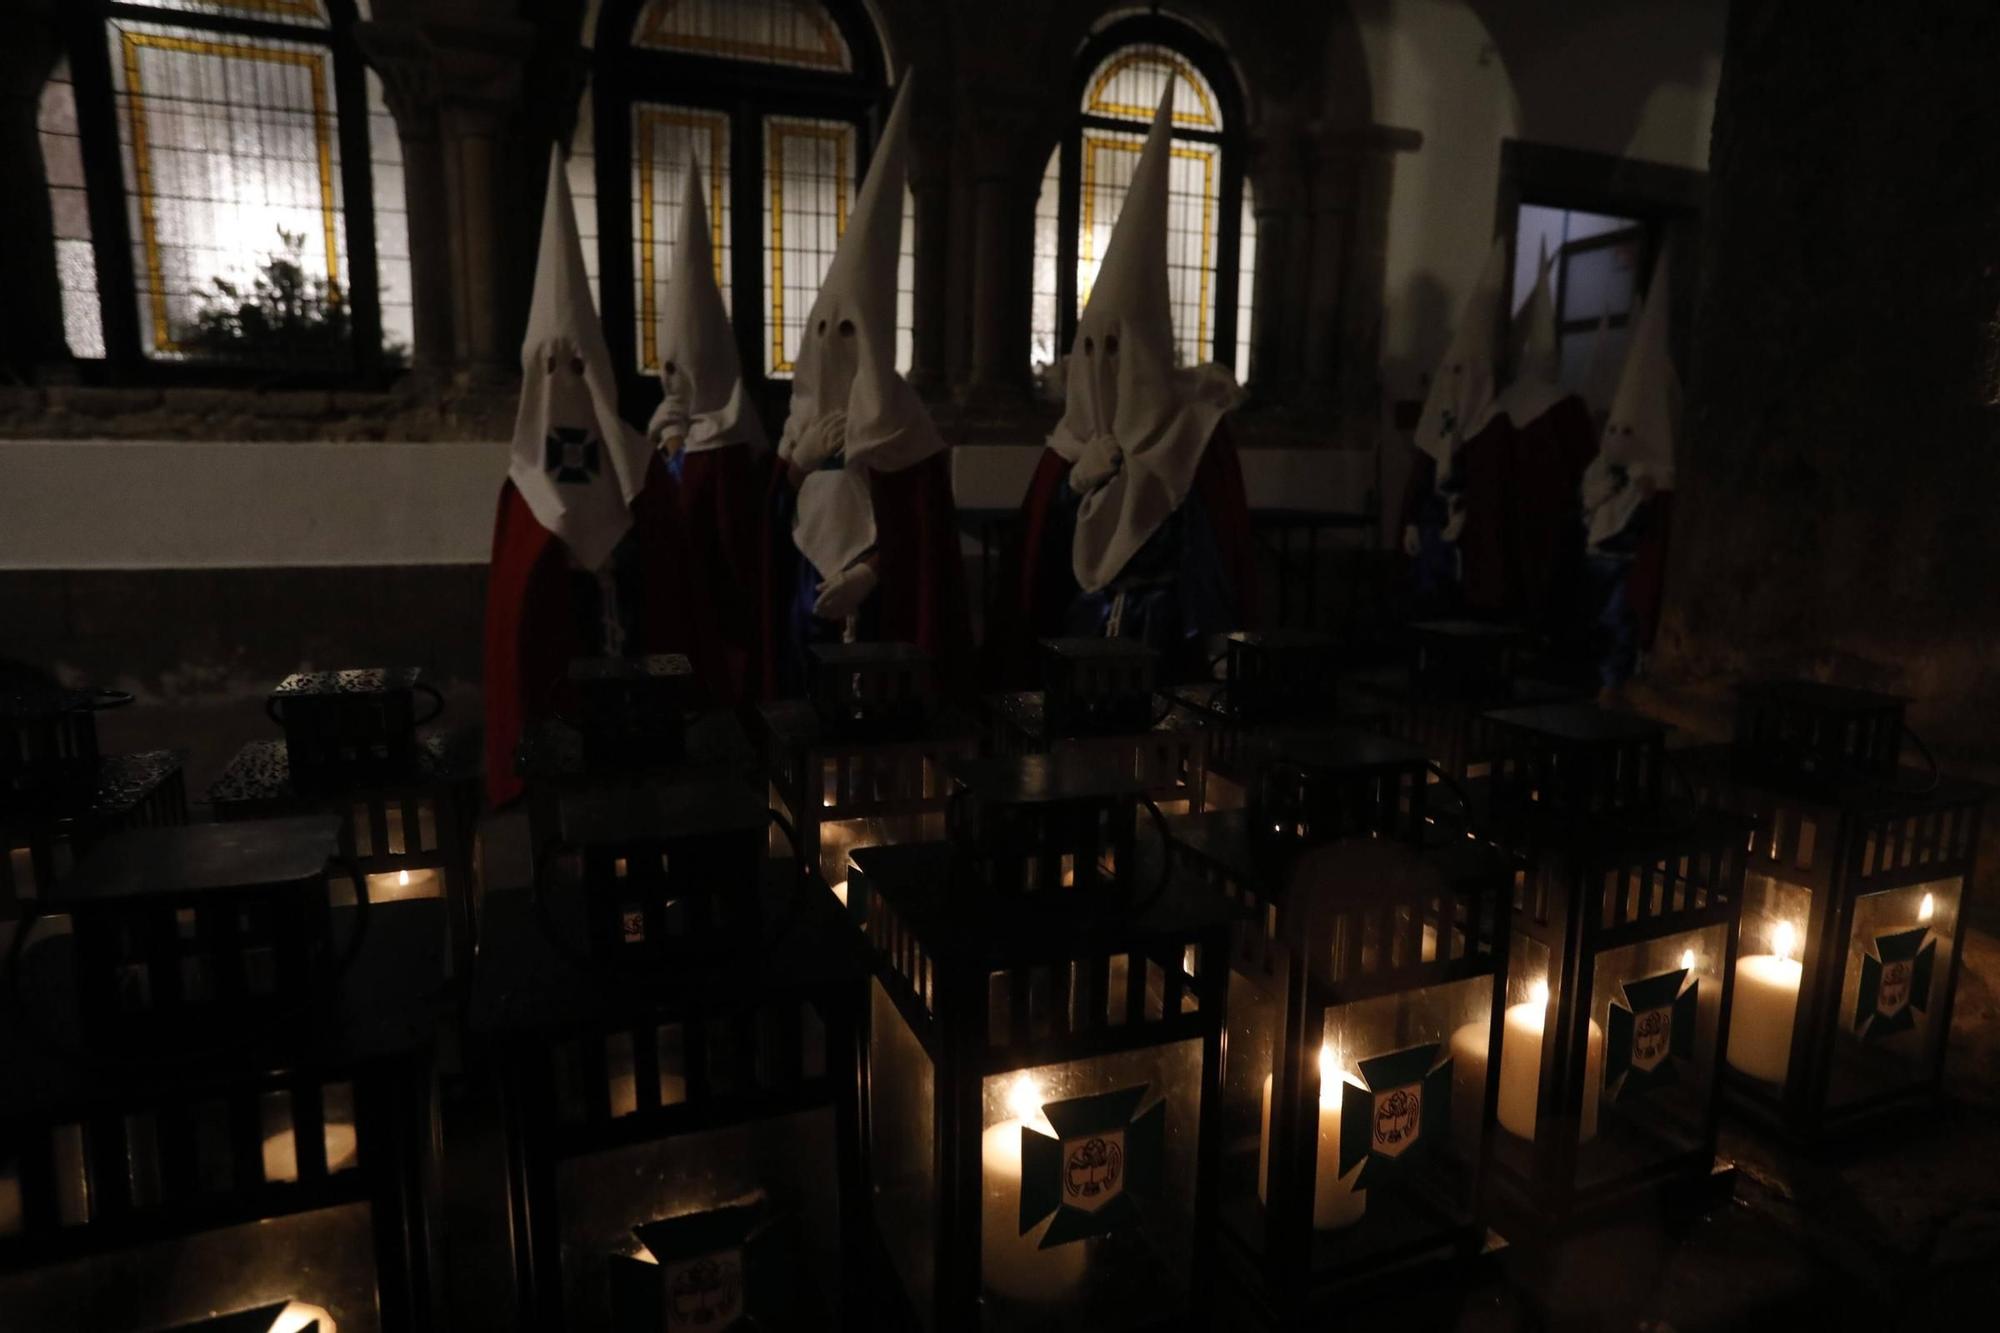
(842, 595)
(1413, 544)
(1098, 463)
(1454, 522)
(820, 441)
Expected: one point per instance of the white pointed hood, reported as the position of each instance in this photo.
(574, 460)
(1462, 389)
(700, 375)
(1535, 355)
(1644, 424)
(1121, 382)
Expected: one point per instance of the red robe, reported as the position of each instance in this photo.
(721, 496)
(531, 629)
(1032, 596)
(1545, 542)
(921, 598)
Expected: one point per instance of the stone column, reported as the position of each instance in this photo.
(1276, 172)
(31, 336)
(1000, 120)
(407, 64)
(930, 193)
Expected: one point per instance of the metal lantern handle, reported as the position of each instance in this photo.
(274, 709)
(361, 913)
(102, 701)
(436, 697)
(786, 827)
(1930, 761)
(1166, 855)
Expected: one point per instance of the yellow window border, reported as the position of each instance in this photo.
(650, 117)
(1204, 153)
(1096, 104)
(314, 61)
(777, 130)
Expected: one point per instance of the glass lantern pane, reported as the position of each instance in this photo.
(1088, 1181)
(809, 181)
(663, 137)
(1524, 1044)
(1193, 211)
(69, 208)
(233, 187)
(1256, 1016)
(324, 1258)
(776, 32)
(786, 1164)
(841, 838)
(1656, 1007)
(1889, 1033)
(1769, 973)
(902, 1127)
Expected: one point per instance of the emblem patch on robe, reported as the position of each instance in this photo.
(1087, 1174)
(1895, 983)
(1403, 1109)
(1650, 1033)
(705, 1293)
(573, 455)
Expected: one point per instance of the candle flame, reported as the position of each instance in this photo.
(1538, 994)
(1024, 1099)
(1926, 908)
(1784, 938)
(402, 879)
(1687, 960)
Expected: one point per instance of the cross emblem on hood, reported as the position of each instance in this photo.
(573, 455)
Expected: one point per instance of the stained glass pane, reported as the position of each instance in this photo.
(392, 222)
(1042, 333)
(581, 167)
(76, 262)
(231, 162)
(271, 11)
(906, 287)
(1246, 283)
(808, 187)
(662, 139)
(1193, 196)
(773, 32)
(1127, 86)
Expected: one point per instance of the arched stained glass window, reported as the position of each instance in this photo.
(227, 185)
(777, 101)
(1211, 241)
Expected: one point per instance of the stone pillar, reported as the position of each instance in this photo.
(407, 64)
(1278, 307)
(31, 336)
(1840, 458)
(999, 121)
(930, 193)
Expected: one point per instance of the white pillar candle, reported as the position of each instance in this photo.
(1336, 1203)
(1010, 1262)
(1765, 1008)
(396, 885)
(1521, 1064)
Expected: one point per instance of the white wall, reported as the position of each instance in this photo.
(1631, 78)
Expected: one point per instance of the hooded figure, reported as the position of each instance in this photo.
(587, 513)
(708, 430)
(1461, 452)
(1135, 523)
(1627, 490)
(1519, 544)
(865, 543)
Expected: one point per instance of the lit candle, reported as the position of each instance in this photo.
(1336, 1203)
(396, 885)
(1766, 1005)
(281, 1152)
(1521, 1064)
(1010, 1261)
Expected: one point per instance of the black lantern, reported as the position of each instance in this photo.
(406, 804)
(252, 1135)
(59, 794)
(1853, 915)
(1455, 673)
(1619, 975)
(675, 1021)
(1044, 1045)
(1098, 704)
(631, 713)
(1362, 962)
(873, 776)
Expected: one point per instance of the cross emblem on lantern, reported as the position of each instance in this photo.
(573, 455)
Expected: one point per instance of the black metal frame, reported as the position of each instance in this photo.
(747, 92)
(959, 962)
(125, 362)
(1213, 64)
(1841, 836)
